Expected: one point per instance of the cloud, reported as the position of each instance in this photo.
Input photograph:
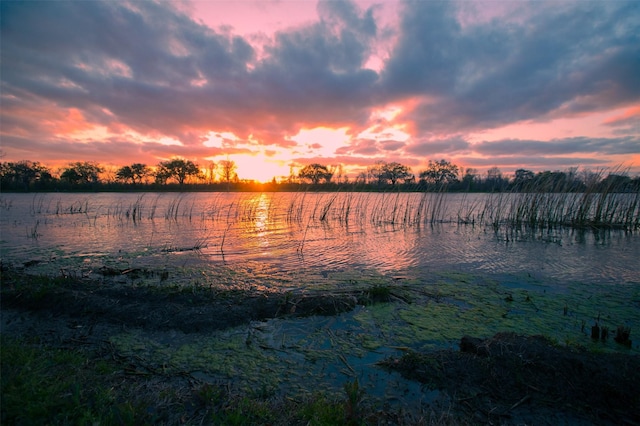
(101, 78)
(391, 145)
(626, 123)
(563, 59)
(156, 71)
(577, 145)
(449, 146)
(372, 147)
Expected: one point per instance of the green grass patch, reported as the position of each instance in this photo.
(42, 385)
(47, 385)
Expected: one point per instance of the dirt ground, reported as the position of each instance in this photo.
(508, 379)
(529, 380)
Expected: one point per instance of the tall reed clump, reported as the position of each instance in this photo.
(599, 205)
(176, 209)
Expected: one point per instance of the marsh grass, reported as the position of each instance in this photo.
(38, 389)
(508, 214)
(534, 207)
(44, 384)
(538, 209)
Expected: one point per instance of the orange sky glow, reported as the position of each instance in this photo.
(276, 85)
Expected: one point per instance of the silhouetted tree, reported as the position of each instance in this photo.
(315, 173)
(361, 178)
(340, 176)
(552, 181)
(385, 173)
(395, 172)
(440, 173)
(292, 174)
(211, 172)
(495, 181)
(376, 172)
(469, 178)
(81, 173)
(178, 169)
(161, 174)
(615, 183)
(125, 174)
(23, 174)
(228, 171)
(140, 172)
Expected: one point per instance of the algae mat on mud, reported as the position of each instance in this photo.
(322, 353)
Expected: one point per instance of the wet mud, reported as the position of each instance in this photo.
(505, 379)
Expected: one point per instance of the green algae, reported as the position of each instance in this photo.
(481, 308)
(422, 312)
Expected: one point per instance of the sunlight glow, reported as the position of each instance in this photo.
(385, 133)
(322, 141)
(260, 168)
(169, 141)
(591, 124)
(218, 139)
(74, 124)
(387, 113)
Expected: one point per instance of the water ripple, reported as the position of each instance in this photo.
(291, 232)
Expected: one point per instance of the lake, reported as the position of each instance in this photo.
(460, 265)
(287, 234)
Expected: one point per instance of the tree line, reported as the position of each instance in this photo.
(181, 174)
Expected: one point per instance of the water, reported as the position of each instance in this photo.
(556, 280)
(316, 233)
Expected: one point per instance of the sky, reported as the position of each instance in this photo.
(274, 85)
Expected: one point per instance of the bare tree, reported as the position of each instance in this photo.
(228, 171)
(211, 172)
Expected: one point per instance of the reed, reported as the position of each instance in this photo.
(539, 207)
(33, 232)
(535, 209)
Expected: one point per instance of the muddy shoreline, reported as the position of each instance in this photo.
(507, 379)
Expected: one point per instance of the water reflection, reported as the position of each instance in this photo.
(305, 231)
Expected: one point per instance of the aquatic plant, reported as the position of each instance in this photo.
(353, 401)
(598, 207)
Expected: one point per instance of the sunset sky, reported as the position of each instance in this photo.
(271, 84)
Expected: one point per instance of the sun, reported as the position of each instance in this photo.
(260, 168)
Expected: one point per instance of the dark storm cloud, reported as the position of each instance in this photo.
(136, 60)
(567, 57)
(157, 71)
(147, 67)
(578, 145)
(108, 151)
(315, 73)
